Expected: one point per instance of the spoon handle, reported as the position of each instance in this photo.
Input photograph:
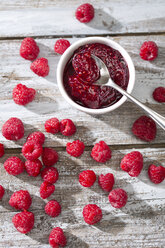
(159, 119)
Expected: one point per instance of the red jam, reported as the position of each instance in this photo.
(81, 73)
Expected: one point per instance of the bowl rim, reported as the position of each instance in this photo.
(67, 55)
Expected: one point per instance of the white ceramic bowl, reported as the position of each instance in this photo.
(68, 54)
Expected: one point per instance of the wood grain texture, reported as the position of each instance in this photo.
(132, 226)
(114, 127)
(141, 223)
(48, 18)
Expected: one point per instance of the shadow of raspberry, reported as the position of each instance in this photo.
(141, 208)
(5, 200)
(110, 223)
(144, 174)
(43, 105)
(75, 242)
(104, 21)
(53, 58)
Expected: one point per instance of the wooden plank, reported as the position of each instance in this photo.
(46, 18)
(114, 127)
(139, 224)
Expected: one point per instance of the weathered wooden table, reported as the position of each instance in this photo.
(141, 223)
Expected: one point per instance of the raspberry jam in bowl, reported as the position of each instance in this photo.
(77, 73)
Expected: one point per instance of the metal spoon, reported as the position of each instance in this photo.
(106, 80)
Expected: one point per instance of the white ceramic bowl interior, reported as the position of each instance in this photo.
(68, 54)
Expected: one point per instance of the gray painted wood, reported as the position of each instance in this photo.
(114, 127)
(139, 224)
(45, 18)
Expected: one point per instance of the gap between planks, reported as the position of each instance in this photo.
(88, 148)
(83, 35)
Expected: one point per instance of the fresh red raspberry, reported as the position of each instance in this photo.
(20, 200)
(23, 221)
(132, 163)
(29, 49)
(52, 125)
(33, 168)
(106, 181)
(67, 127)
(61, 45)
(13, 129)
(2, 150)
(57, 238)
(14, 166)
(2, 192)
(118, 198)
(92, 214)
(87, 178)
(40, 67)
(37, 137)
(101, 152)
(85, 13)
(53, 208)
(144, 128)
(86, 67)
(149, 50)
(22, 95)
(156, 173)
(159, 94)
(49, 156)
(31, 150)
(76, 148)
(46, 189)
(50, 174)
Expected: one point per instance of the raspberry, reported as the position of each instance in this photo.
(22, 95)
(76, 148)
(57, 238)
(53, 208)
(29, 49)
(156, 173)
(14, 166)
(87, 178)
(52, 125)
(86, 68)
(23, 221)
(159, 94)
(50, 174)
(132, 163)
(40, 67)
(46, 189)
(106, 181)
(31, 150)
(61, 45)
(13, 129)
(118, 198)
(67, 127)
(149, 50)
(37, 137)
(101, 152)
(144, 128)
(33, 168)
(2, 150)
(20, 200)
(92, 214)
(2, 192)
(85, 13)
(49, 157)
